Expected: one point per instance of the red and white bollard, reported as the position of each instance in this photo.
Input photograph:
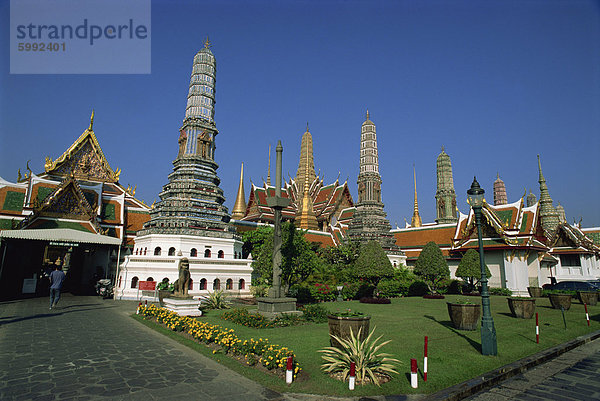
(138, 309)
(146, 303)
(587, 316)
(537, 329)
(352, 379)
(413, 373)
(425, 361)
(289, 371)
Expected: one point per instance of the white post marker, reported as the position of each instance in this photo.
(413, 373)
(537, 329)
(137, 312)
(289, 372)
(352, 379)
(425, 361)
(587, 316)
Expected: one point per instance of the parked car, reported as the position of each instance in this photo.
(575, 286)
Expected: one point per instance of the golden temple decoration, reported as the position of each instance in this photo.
(19, 178)
(117, 173)
(239, 208)
(90, 128)
(207, 44)
(416, 218)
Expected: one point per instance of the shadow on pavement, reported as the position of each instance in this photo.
(57, 312)
(448, 325)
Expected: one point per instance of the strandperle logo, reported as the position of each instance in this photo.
(80, 37)
(85, 31)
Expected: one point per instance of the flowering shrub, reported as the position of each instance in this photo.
(271, 356)
(323, 292)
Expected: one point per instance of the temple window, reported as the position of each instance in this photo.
(134, 282)
(242, 284)
(203, 284)
(194, 252)
(216, 284)
(150, 279)
(157, 251)
(207, 253)
(221, 254)
(171, 251)
(229, 284)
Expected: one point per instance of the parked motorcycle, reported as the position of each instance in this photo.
(104, 288)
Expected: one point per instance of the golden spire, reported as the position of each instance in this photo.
(367, 114)
(207, 43)
(416, 219)
(307, 218)
(91, 121)
(269, 168)
(239, 208)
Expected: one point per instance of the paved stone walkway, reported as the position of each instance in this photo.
(571, 376)
(90, 349)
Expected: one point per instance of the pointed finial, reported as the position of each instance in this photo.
(307, 126)
(91, 121)
(269, 167)
(443, 150)
(367, 113)
(497, 175)
(207, 44)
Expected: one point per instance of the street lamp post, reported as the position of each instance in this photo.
(489, 345)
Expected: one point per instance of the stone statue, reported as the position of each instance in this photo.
(183, 282)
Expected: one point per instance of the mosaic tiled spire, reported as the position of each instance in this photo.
(306, 218)
(531, 199)
(192, 202)
(416, 218)
(306, 166)
(500, 197)
(548, 214)
(445, 197)
(369, 221)
(562, 216)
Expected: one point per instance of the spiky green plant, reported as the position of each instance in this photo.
(364, 354)
(215, 300)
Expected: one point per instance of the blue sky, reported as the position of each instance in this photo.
(494, 82)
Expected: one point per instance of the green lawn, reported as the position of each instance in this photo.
(454, 356)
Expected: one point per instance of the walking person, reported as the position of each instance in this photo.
(57, 278)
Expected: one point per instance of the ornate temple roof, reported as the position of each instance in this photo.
(84, 159)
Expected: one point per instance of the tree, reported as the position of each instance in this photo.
(373, 264)
(298, 258)
(469, 268)
(431, 266)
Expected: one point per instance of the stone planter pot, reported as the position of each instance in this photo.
(535, 292)
(587, 297)
(464, 316)
(560, 300)
(340, 326)
(523, 308)
(163, 294)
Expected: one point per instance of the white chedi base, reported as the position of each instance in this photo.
(183, 307)
(220, 269)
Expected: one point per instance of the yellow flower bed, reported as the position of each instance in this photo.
(271, 356)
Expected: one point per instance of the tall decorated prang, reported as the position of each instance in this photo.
(369, 222)
(190, 221)
(445, 197)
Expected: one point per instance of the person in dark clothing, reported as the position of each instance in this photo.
(57, 278)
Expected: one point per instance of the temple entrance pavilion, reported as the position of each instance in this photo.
(27, 256)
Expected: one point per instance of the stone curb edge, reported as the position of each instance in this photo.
(489, 379)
